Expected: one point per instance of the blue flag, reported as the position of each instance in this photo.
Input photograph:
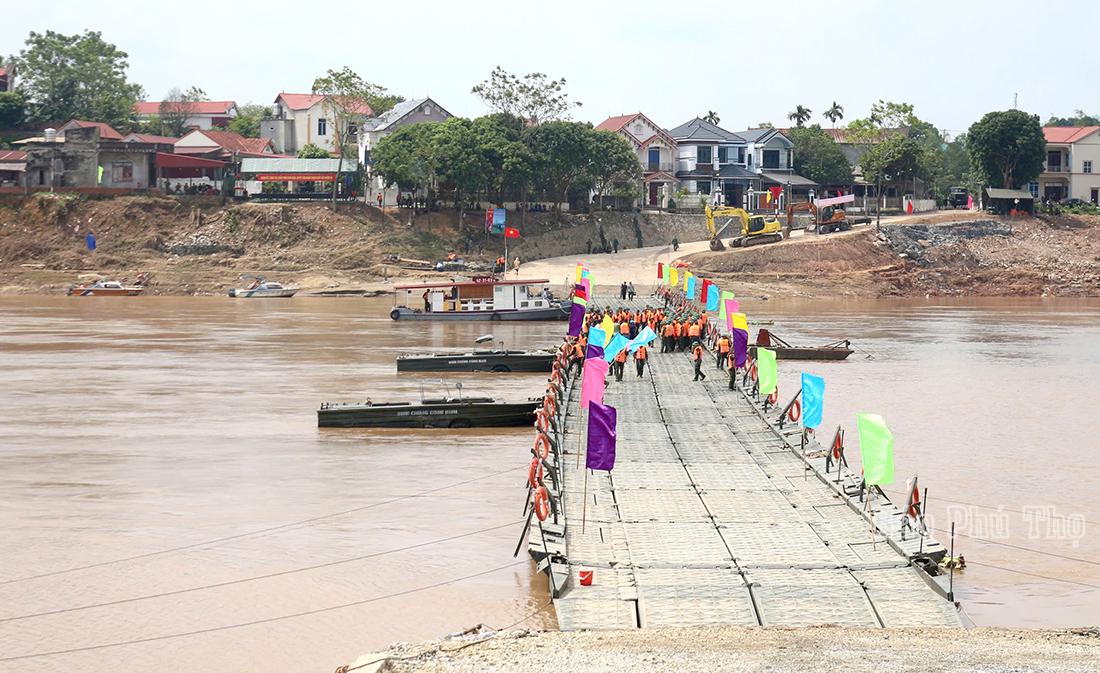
(691, 288)
(601, 437)
(813, 400)
(643, 339)
(712, 297)
(618, 342)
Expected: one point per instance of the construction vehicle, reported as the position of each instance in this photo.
(825, 219)
(755, 229)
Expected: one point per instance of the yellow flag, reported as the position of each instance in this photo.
(578, 274)
(672, 277)
(608, 327)
(687, 277)
(769, 197)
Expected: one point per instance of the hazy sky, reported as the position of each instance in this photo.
(750, 61)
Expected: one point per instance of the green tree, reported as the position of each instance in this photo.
(458, 148)
(1007, 148)
(76, 77)
(408, 158)
(800, 115)
(12, 108)
(350, 100)
(176, 108)
(563, 157)
(311, 151)
(612, 162)
(247, 121)
(765, 125)
(531, 97)
(712, 117)
(818, 157)
(1079, 118)
(899, 158)
(834, 113)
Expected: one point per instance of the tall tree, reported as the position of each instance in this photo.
(834, 113)
(899, 158)
(349, 100)
(247, 121)
(176, 108)
(800, 115)
(461, 162)
(1007, 148)
(12, 109)
(531, 97)
(612, 162)
(81, 76)
(563, 156)
(712, 117)
(818, 157)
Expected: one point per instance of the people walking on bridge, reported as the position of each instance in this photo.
(723, 351)
(639, 360)
(630, 291)
(622, 291)
(697, 354)
(620, 364)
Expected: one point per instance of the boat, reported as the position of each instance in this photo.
(261, 287)
(444, 411)
(478, 360)
(112, 288)
(838, 350)
(479, 298)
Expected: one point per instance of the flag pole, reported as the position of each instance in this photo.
(584, 505)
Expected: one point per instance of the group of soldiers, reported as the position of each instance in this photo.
(679, 325)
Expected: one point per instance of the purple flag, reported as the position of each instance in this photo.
(601, 437)
(740, 347)
(593, 352)
(576, 319)
(595, 371)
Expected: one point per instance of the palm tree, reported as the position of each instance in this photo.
(834, 113)
(712, 117)
(800, 115)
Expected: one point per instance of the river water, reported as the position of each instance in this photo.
(153, 447)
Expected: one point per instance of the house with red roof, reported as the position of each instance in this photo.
(200, 114)
(299, 119)
(12, 165)
(105, 131)
(223, 145)
(7, 78)
(656, 151)
(1072, 167)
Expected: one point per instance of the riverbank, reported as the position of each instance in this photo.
(749, 650)
(200, 245)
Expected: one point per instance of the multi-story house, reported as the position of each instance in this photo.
(298, 119)
(200, 114)
(656, 151)
(376, 128)
(704, 150)
(1072, 168)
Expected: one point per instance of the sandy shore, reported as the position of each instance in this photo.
(751, 650)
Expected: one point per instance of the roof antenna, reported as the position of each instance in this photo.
(1015, 97)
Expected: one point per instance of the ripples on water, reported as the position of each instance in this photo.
(133, 426)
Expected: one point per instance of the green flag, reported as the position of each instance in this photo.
(722, 304)
(100, 176)
(766, 370)
(877, 446)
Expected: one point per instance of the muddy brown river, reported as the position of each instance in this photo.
(167, 502)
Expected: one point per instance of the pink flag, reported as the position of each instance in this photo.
(731, 307)
(595, 371)
(587, 287)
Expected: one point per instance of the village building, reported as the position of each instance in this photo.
(7, 78)
(298, 119)
(223, 145)
(199, 114)
(12, 165)
(81, 159)
(1072, 166)
(105, 131)
(656, 151)
(376, 128)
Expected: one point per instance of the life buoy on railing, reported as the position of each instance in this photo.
(545, 441)
(550, 404)
(752, 370)
(774, 397)
(542, 503)
(795, 412)
(542, 421)
(534, 474)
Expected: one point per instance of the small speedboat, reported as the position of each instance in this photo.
(478, 360)
(261, 287)
(444, 411)
(106, 288)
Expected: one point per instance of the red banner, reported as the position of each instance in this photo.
(296, 177)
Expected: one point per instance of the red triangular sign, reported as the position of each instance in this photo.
(909, 209)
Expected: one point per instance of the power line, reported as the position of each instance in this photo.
(262, 531)
(257, 577)
(256, 622)
(1028, 549)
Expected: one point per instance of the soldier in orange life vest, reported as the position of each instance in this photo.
(624, 328)
(576, 358)
(666, 338)
(697, 354)
(639, 360)
(723, 350)
(620, 362)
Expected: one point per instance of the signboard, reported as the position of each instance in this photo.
(494, 220)
(483, 279)
(296, 177)
(836, 200)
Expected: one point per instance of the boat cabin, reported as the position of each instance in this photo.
(477, 294)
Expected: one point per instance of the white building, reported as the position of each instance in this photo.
(203, 115)
(298, 119)
(402, 114)
(656, 151)
(1072, 168)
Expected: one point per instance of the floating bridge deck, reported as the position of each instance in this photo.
(712, 516)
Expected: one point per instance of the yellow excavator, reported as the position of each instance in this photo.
(755, 229)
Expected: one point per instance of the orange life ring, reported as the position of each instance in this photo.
(774, 397)
(534, 474)
(542, 421)
(545, 441)
(752, 370)
(795, 412)
(542, 503)
(550, 404)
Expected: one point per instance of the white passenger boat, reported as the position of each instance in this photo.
(260, 287)
(479, 298)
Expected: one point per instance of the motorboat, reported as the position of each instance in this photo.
(438, 410)
(837, 350)
(478, 298)
(478, 360)
(112, 288)
(261, 287)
